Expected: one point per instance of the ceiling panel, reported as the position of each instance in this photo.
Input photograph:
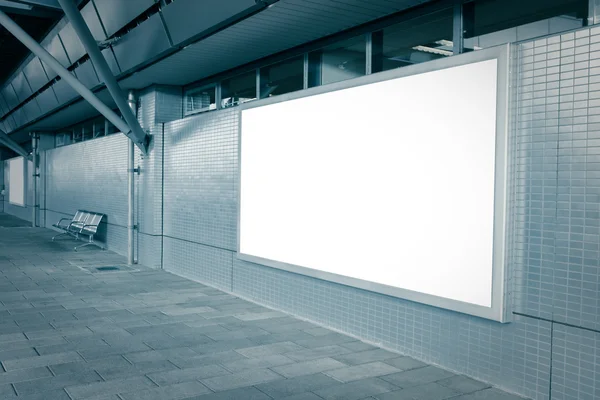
(20, 117)
(10, 97)
(70, 39)
(64, 92)
(3, 106)
(186, 18)
(36, 76)
(9, 124)
(21, 87)
(87, 74)
(55, 47)
(47, 101)
(142, 43)
(32, 110)
(115, 14)
(284, 25)
(78, 111)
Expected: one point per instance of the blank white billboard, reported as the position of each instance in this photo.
(16, 183)
(391, 184)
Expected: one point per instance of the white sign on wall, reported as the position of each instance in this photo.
(16, 183)
(395, 186)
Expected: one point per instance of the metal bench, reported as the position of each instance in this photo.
(84, 224)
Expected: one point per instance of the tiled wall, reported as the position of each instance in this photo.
(90, 175)
(187, 201)
(554, 252)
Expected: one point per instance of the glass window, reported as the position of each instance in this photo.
(201, 99)
(344, 60)
(284, 77)
(415, 41)
(238, 90)
(493, 22)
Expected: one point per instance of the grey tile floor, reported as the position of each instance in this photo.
(67, 333)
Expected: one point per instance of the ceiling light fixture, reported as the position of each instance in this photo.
(433, 50)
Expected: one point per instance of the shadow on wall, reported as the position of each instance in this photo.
(188, 126)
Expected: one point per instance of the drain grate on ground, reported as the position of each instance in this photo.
(94, 269)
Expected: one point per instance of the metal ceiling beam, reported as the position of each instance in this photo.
(11, 144)
(39, 3)
(138, 135)
(79, 87)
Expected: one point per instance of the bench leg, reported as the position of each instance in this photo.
(90, 242)
(60, 234)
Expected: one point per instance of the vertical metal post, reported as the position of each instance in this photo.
(132, 101)
(34, 175)
(258, 83)
(306, 68)
(592, 12)
(368, 54)
(458, 29)
(106, 127)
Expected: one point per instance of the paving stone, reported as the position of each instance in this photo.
(488, 394)
(259, 316)
(223, 357)
(110, 387)
(99, 352)
(405, 363)
(289, 336)
(18, 353)
(167, 342)
(308, 367)
(178, 391)
(141, 368)
(253, 363)
(167, 354)
(463, 384)
(40, 361)
(318, 331)
(418, 376)
(302, 396)
(56, 382)
(429, 391)
(241, 379)
(362, 371)
(189, 374)
(58, 394)
(365, 356)
(319, 352)
(357, 389)
(237, 334)
(247, 393)
(269, 349)
(325, 340)
(108, 362)
(57, 332)
(288, 387)
(6, 392)
(12, 337)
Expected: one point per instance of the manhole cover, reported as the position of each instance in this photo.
(108, 269)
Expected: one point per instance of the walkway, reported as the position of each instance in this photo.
(68, 331)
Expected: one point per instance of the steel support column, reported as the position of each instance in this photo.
(11, 144)
(138, 135)
(79, 87)
(34, 156)
(132, 104)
